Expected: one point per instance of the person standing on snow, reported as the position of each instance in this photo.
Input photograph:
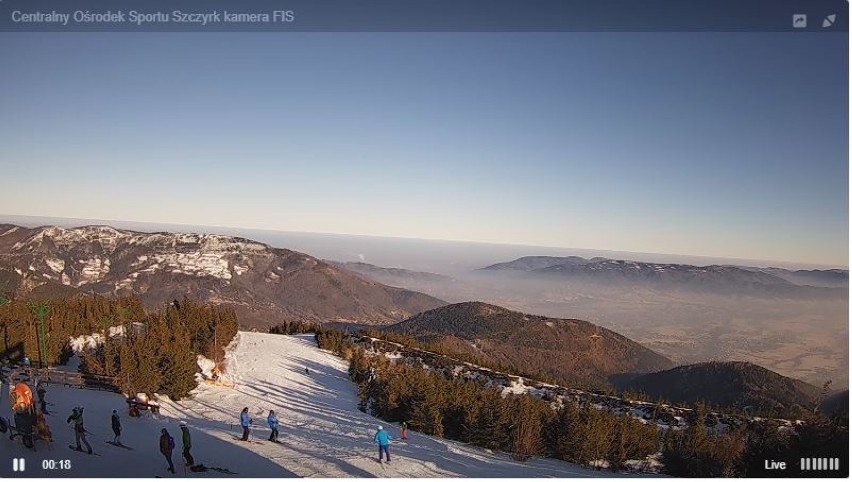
(187, 444)
(404, 430)
(167, 444)
(116, 428)
(272, 420)
(245, 422)
(41, 392)
(79, 430)
(383, 439)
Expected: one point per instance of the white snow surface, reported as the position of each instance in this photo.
(55, 264)
(322, 432)
(197, 263)
(181, 253)
(93, 270)
(206, 366)
(86, 342)
(90, 342)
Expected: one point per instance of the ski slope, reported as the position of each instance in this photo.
(322, 433)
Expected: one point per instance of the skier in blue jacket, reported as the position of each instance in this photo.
(383, 439)
(272, 420)
(245, 421)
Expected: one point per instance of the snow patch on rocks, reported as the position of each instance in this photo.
(93, 270)
(55, 264)
(194, 264)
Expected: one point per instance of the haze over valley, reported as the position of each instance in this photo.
(798, 331)
(760, 314)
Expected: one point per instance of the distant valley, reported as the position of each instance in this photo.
(449, 288)
(799, 331)
(792, 322)
(393, 275)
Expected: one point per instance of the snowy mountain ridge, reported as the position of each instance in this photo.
(188, 253)
(712, 278)
(263, 283)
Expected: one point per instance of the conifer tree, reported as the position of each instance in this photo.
(563, 434)
(489, 427)
(526, 434)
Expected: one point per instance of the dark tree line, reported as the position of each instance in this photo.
(159, 354)
(449, 346)
(698, 451)
(295, 328)
(741, 452)
(150, 351)
(437, 403)
(819, 436)
(66, 318)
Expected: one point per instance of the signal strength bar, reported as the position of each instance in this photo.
(817, 463)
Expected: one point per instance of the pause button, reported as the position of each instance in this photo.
(18, 464)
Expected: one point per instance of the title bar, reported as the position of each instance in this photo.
(423, 16)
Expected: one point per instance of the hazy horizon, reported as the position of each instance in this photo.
(374, 249)
(704, 143)
(799, 336)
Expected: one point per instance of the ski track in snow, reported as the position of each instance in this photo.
(322, 433)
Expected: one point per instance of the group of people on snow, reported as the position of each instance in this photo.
(167, 445)
(167, 442)
(246, 421)
(382, 438)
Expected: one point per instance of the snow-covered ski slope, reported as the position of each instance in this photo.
(322, 433)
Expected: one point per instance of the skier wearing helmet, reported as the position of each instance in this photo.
(383, 439)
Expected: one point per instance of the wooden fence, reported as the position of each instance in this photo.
(69, 379)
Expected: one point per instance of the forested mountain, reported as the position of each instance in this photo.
(727, 384)
(568, 350)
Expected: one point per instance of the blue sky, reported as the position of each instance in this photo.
(729, 145)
